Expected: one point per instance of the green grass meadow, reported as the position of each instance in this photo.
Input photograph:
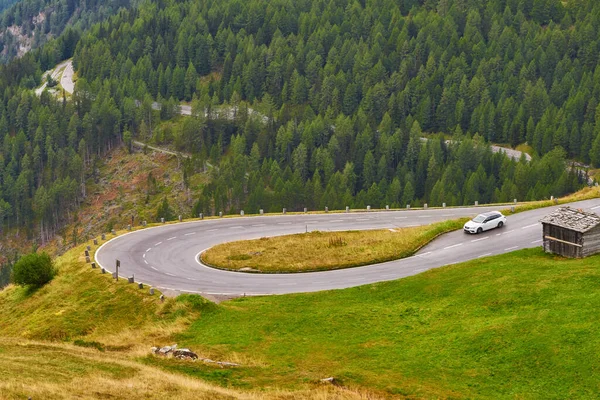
(522, 325)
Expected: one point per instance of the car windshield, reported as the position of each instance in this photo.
(479, 218)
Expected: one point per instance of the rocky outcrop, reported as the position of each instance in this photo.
(188, 355)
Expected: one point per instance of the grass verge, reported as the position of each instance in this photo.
(318, 251)
(519, 325)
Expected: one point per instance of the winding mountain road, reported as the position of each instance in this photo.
(166, 256)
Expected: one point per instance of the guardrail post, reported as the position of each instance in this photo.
(347, 209)
(408, 206)
(261, 212)
(443, 205)
(476, 203)
(284, 211)
(144, 223)
(95, 242)
(86, 253)
(113, 232)
(128, 227)
(221, 214)
(151, 291)
(326, 209)
(515, 201)
(242, 213)
(368, 208)
(305, 210)
(87, 259)
(130, 279)
(103, 271)
(180, 218)
(103, 236)
(512, 209)
(140, 285)
(162, 220)
(93, 265)
(201, 216)
(425, 206)
(387, 207)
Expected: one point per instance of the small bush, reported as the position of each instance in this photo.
(35, 269)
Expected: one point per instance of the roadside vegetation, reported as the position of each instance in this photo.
(318, 251)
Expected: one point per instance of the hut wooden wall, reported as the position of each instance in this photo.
(563, 249)
(591, 242)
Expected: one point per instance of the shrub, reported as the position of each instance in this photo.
(35, 269)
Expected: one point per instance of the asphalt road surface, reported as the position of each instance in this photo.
(166, 257)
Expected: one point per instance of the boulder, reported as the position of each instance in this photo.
(185, 354)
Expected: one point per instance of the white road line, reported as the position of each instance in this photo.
(146, 261)
(144, 255)
(498, 234)
(529, 226)
(477, 240)
(336, 220)
(236, 227)
(259, 224)
(448, 215)
(400, 217)
(419, 270)
(284, 223)
(191, 279)
(593, 208)
(512, 230)
(158, 244)
(153, 268)
(191, 233)
(166, 273)
(454, 245)
(537, 241)
(484, 255)
(212, 230)
(424, 216)
(148, 250)
(511, 248)
(424, 254)
(363, 219)
(171, 238)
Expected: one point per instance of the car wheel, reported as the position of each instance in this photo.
(479, 230)
(500, 224)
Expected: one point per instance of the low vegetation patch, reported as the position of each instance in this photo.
(519, 325)
(318, 251)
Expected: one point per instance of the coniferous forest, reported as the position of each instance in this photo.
(312, 103)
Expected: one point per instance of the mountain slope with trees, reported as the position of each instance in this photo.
(28, 24)
(345, 90)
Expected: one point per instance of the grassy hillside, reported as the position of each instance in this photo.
(519, 325)
(522, 325)
(83, 335)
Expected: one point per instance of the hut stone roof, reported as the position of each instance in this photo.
(571, 218)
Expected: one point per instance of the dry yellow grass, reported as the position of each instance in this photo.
(317, 251)
(62, 371)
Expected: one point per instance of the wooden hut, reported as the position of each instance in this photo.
(572, 233)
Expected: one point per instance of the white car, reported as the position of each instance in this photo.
(485, 221)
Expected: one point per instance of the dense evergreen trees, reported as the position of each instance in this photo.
(312, 103)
